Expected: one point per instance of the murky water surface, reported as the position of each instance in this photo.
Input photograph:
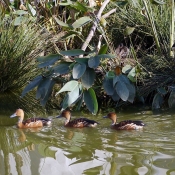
(58, 150)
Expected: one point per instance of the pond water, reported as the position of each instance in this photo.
(57, 150)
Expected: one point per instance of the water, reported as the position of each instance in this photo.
(58, 150)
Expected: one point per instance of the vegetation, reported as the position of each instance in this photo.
(84, 72)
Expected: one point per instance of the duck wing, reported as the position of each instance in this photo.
(82, 122)
(129, 125)
(45, 121)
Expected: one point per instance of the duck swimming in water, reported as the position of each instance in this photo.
(31, 122)
(76, 123)
(124, 125)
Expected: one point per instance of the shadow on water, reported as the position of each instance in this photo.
(57, 150)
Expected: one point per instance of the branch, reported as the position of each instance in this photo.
(94, 27)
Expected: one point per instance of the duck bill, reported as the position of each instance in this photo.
(105, 116)
(59, 116)
(13, 115)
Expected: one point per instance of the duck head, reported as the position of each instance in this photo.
(66, 114)
(112, 116)
(19, 113)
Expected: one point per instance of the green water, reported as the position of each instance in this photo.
(58, 150)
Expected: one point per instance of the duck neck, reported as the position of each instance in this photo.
(67, 121)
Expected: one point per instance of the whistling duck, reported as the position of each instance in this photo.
(124, 125)
(76, 123)
(31, 122)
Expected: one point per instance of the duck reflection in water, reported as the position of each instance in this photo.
(124, 125)
(77, 123)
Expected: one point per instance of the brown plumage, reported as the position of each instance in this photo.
(31, 122)
(124, 125)
(76, 123)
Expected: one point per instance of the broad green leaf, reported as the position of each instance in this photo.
(79, 6)
(156, 2)
(122, 90)
(69, 86)
(104, 56)
(94, 62)
(71, 97)
(129, 30)
(122, 78)
(48, 93)
(65, 3)
(80, 102)
(20, 12)
(88, 78)
(132, 75)
(171, 100)
(74, 52)
(31, 10)
(81, 22)
(91, 100)
(132, 92)
(126, 69)
(108, 85)
(43, 88)
(162, 91)
(157, 101)
(61, 23)
(115, 96)
(115, 80)
(110, 74)
(62, 68)
(103, 49)
(48, 60)
(70, 34)
(18, 20)
(35, 82)
(121, 3)
(82, 60)
(78, 70)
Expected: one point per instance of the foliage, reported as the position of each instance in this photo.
(19, 46)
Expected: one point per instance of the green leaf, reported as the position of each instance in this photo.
(20, 12)
(48, 60)
(61, 23)
(157, 101)
(79, 6)
(31, 10)
(88, 78)
(104, 56)
(69, 86)
(94, 62)
(122, 90)
(65, 3)
(70, 34)
(108, 85)
(122, 78)
(18, 20)
(103, 49)
(162, 91)
(71, 97)
(115, 96)
(78, 70)
(43, 88)
(132, 75)
(62, 68)
(74, 52)
(171, 99)
(132, 92)
(35, 82)
(48, 93)
(126, 69)
(121, 3)
(156, 2)
(82, 60)
(129, 30)
(110, 74)
(91, 100)
(81, 22)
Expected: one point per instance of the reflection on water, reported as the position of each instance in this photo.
(58, 150)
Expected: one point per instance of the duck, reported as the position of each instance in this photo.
(31, 122)
(76, 123)
(124, 125)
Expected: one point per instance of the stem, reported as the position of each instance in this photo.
(172, 28)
